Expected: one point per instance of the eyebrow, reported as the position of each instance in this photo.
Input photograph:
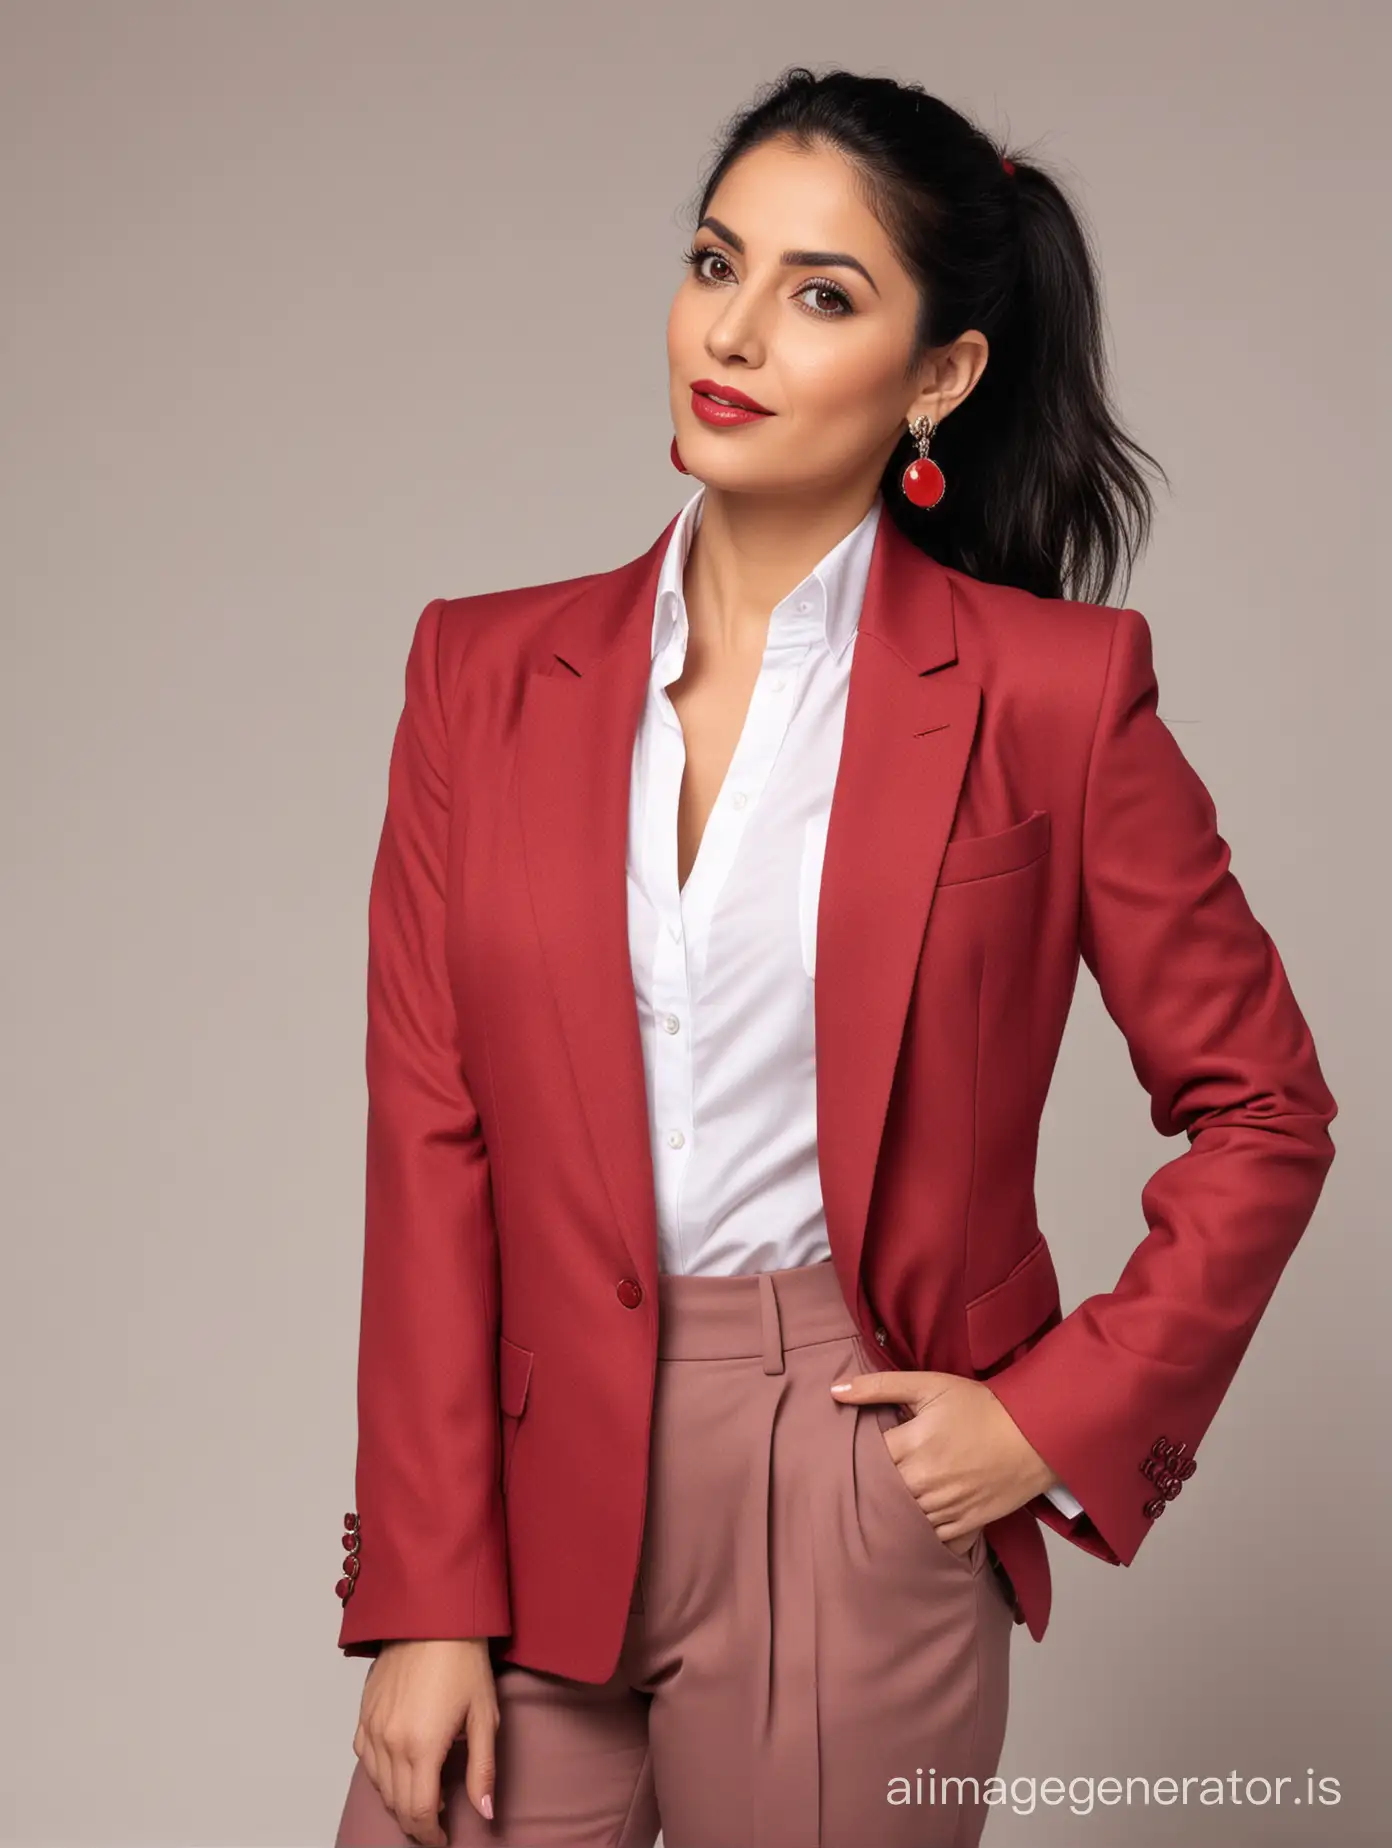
(795, 259)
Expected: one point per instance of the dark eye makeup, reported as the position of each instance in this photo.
(696, 255)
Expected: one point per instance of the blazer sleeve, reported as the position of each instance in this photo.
(430, 1554)
(1117, 1396)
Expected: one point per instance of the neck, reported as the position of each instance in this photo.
(750, 550)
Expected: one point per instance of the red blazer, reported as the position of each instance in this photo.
(1007, 799)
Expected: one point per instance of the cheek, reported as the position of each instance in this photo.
(680, 362)
(685, 328)
(844, 391)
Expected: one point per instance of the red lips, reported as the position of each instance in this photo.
(711, 388)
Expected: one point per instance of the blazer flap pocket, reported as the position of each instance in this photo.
(1000, 1319)
(978, 856)
(514, 1376)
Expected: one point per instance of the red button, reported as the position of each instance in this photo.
(630, 1292)
(344, 1589)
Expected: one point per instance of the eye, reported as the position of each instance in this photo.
(828, 288)
(696, 256)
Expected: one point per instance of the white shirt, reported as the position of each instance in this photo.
(723, 967)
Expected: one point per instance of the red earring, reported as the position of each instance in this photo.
(923, 483)
(676, 459)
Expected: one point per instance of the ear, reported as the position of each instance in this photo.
(950, 375)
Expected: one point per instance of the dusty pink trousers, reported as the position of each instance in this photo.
(806, 1665)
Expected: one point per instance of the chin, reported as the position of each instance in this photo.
(731, 474)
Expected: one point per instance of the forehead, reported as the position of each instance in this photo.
(779, 192)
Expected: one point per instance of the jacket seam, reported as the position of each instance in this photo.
(480, 1244)
(976, 1124)
(1091, 754)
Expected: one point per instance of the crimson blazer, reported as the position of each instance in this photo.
(1008, 799)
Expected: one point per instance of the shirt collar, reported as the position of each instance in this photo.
(833, 591)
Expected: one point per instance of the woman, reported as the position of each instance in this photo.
(724, 926)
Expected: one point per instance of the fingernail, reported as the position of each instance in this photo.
(486, 1805)
(842, 1386)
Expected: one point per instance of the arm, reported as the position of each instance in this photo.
(432, 1558)
(1216, 1038)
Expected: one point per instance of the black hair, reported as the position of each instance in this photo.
(1044, 489)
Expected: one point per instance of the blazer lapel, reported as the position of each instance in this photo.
(580, 714)
(904, 753)
(907, 740)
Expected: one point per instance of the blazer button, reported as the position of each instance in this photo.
(881, 1336)
(350, 1520)
(344, 1589)
(630, 1292)
(1158, 1506)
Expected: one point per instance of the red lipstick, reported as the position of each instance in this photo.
(738, 408)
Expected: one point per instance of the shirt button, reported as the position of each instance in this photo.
(804, 607)
(675, 1139)
(739, 798)
(881, 1336)
(671, 1023)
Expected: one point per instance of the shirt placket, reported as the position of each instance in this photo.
(671, 994)
(685, 915)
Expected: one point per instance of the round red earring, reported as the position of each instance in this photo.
(923, 482)
(676, 459)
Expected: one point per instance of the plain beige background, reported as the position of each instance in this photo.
(315, 311)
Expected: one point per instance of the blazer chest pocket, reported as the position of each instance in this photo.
(514, 1377)
(986, 856)
(971, 858)
(1005, 1321)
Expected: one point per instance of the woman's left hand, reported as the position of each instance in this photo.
(962, 1456)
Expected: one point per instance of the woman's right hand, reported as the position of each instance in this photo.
(418, 1698)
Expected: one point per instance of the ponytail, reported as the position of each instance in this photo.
(1044, 487)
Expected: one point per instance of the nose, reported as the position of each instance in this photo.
(737, 332)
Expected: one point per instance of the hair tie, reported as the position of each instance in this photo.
(1008, 164)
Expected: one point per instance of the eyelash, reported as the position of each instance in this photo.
(696, 255)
